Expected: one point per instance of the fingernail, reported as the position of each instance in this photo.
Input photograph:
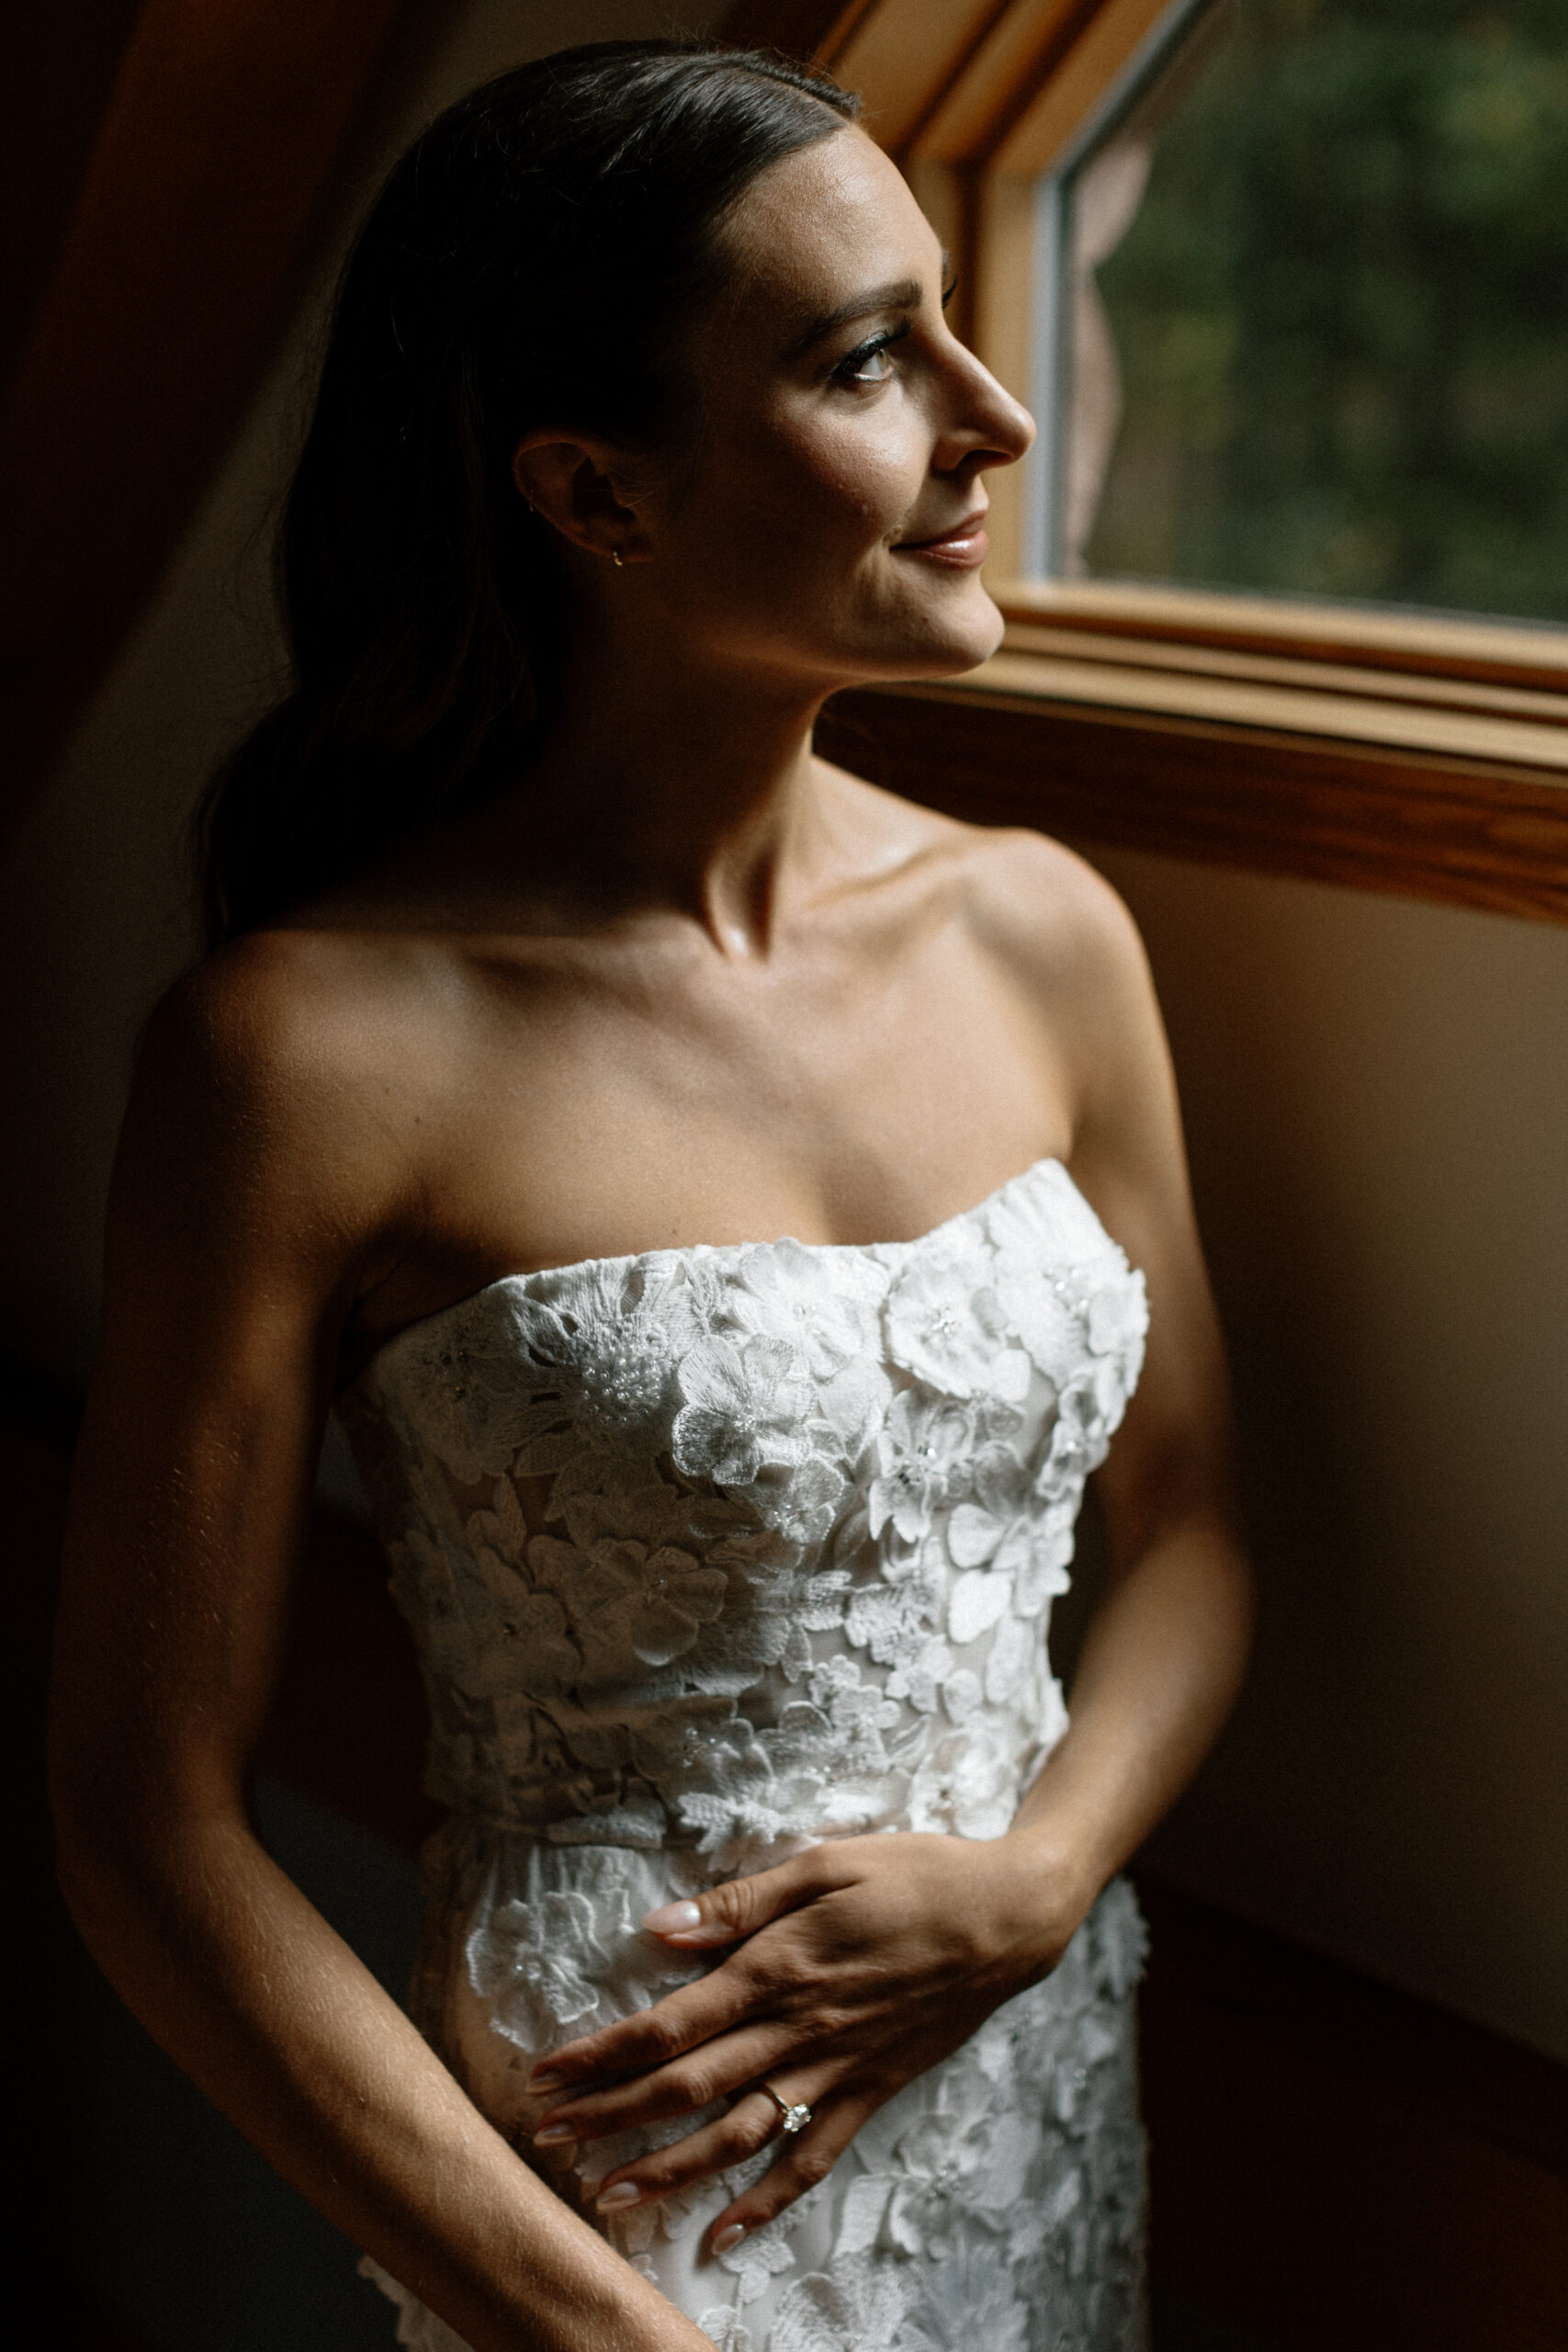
(548, 2078)
(625, 2192)
(674, 1919)
(553, 2134)
(730, 2236)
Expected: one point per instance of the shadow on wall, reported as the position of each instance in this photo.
(1379, 1132)
(192, 2237)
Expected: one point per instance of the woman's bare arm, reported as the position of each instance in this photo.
(261, 1171)
(1164, 1654)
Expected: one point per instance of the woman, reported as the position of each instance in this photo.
(776, 1991)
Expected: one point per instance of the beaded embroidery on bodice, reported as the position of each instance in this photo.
(711, 1552)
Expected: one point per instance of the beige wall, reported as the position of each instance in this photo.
(1375, 1100)
(1379, 1127)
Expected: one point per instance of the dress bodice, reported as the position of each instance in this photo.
(730, 1548)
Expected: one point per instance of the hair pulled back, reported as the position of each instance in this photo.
(531, 261)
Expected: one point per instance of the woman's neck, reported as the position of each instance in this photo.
(660, 783)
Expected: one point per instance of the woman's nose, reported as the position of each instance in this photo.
(988, 424)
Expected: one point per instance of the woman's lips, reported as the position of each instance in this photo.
(961, 550)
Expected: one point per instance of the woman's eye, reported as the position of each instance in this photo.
(870, 362)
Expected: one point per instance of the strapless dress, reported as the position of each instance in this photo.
(712, 1553)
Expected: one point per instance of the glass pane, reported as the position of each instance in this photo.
(1319, 329)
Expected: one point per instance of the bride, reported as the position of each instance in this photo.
(776, 1983)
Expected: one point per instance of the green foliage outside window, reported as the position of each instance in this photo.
(1341, 312)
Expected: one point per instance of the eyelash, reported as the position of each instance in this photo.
(852, 361)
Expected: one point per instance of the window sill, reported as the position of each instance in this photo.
(1428, 759)
(1287, 696)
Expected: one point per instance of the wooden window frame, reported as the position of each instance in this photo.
(1413, 753)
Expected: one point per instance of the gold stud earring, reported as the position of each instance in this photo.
(615, 558)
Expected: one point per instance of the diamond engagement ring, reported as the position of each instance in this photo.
(791, 2118)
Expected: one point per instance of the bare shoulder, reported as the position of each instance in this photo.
(1029, 899)
(1046, 912)
(287, 1078)
(1067, 941)
(1067, 948)
(289, 1017)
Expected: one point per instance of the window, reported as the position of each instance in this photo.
(1315, 310)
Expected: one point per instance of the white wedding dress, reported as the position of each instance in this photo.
(715, 1552)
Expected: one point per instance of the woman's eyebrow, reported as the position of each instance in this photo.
(902, 294)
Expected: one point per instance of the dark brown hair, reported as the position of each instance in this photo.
(531, 260)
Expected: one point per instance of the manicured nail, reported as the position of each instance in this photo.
(625, 2192)
(553, 2136)
(730, 2236)
(546, 2078)
(674, 1919)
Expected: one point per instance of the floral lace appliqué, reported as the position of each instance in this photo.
(714, 1553)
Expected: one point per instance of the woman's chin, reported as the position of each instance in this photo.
(953, 642)
(938, 637)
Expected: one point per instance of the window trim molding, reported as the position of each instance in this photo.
(1477, 648)
(1469, 689)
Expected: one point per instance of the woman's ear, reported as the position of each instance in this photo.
(581, 489)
